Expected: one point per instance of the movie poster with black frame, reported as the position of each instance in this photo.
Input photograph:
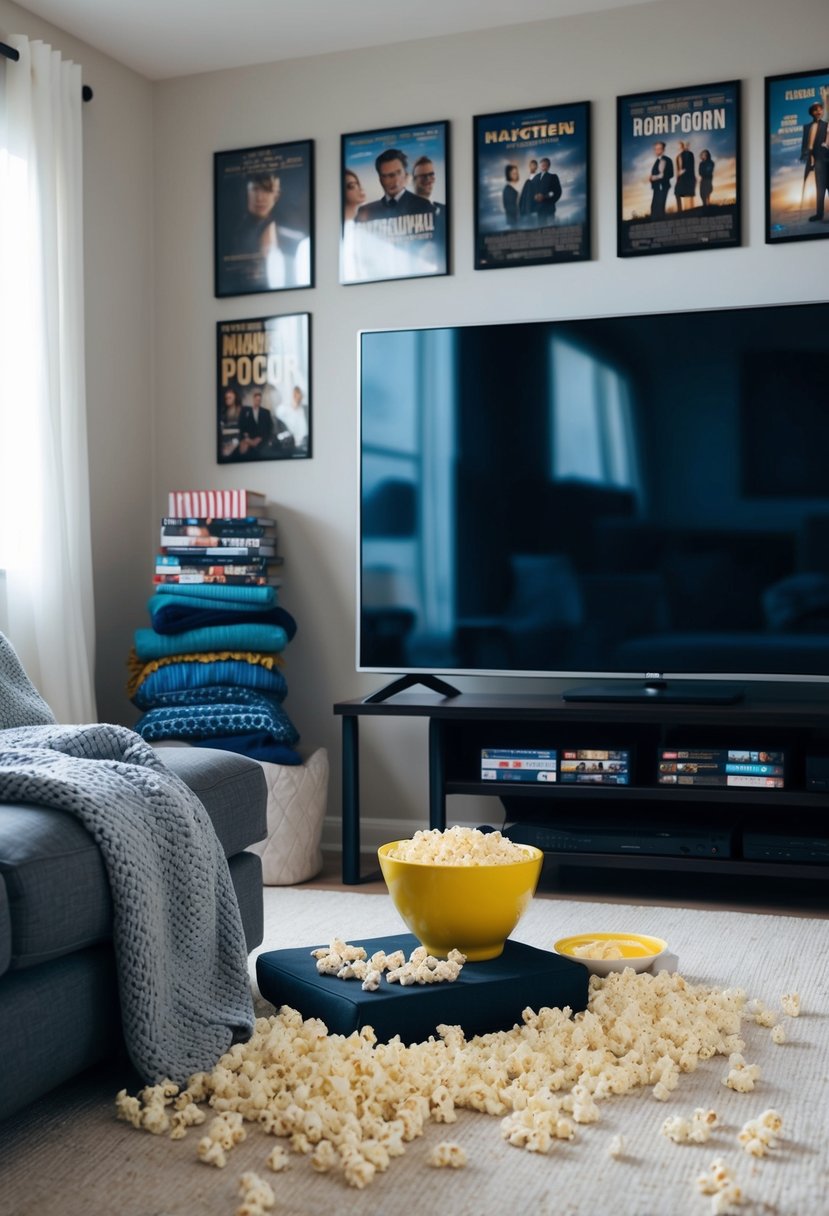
(532, 186)
(678, 170)
(797, 156)
(263, 383)
(263, 217)
(395, 203)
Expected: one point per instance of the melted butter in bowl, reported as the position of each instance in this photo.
(602, 953)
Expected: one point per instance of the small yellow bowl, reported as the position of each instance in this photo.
(468, 908)
(638, 951)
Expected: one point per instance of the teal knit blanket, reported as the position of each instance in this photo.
(152, 645)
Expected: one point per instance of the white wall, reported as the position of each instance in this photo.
(635, 49)
(118, 168)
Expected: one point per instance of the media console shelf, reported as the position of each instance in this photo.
(460, 726)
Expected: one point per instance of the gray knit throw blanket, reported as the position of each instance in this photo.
(177, 931)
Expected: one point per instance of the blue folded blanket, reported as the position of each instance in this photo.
(257, 746)
(211, 721)
(267, 638)
(222, 591)
(192, 674)
(169, 616)
(230, 603)
(213, 694)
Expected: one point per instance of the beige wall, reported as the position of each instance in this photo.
(567, 60)
(118, 213)
(151, 394)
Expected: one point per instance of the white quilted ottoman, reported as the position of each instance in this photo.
(297, 802)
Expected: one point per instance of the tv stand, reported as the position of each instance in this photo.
(390, 690)
(753, 818)
(659, 691)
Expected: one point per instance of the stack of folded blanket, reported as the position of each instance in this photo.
(208, 670)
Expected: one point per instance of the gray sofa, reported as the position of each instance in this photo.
(59, 1010)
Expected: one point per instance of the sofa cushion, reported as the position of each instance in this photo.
(56, 884)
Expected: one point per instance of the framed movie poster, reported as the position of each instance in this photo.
(263, 378)
(532, 186)
(678, 174)
(263, 218)
(395, 203)
(797, 156)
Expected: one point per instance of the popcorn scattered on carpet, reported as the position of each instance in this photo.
(351, 1104)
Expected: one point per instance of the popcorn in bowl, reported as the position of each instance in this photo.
(460, 846)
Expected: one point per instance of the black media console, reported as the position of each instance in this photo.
(644, 823)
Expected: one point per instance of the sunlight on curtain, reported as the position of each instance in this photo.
(45, 545)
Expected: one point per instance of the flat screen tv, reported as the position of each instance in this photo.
(638, 497)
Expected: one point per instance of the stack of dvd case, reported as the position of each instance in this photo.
(198, 550)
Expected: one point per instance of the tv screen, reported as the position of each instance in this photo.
(605, 496)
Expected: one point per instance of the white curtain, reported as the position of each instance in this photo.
(45, 542)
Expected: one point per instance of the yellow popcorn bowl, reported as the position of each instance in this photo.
(638, 951)
(468, 908)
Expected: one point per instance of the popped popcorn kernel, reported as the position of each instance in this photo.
(127, 1108)
(211, 1153)
(357, 1171)
(257, 1195)
(778, 1033)
(762, 1016)
(155, 1119)
(616, 1148)
(324, 1157)
(790, 1004)
(186, 1116)
(741, 1076)
(726, 1200)
(277, 1159)
(719, 1180)
(447, 1155)
(759, 1135)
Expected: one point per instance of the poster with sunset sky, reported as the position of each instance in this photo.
(797, 156)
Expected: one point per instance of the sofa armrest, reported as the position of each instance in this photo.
(232, 788)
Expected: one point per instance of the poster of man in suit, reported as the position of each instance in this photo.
(263, 218)
(532, 186)
(395, 203)
(263, 382)
(678, 172)
(797, 156)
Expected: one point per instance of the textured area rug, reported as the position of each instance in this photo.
(68, 1156)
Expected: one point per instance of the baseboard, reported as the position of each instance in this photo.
(374, 832)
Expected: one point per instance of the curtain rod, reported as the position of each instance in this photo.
(11, 53)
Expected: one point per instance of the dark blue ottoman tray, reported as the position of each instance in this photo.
(485, 997)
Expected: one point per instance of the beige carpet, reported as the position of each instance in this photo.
(68, 1157)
